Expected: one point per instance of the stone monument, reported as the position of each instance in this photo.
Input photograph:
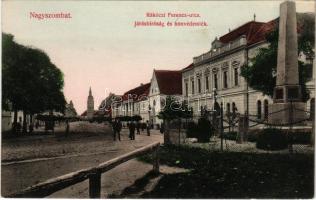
(287, 97)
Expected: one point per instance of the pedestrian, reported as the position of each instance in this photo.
(132, 130)
(143, 125)
(119, 128)
(148, 128)
(162, 128)
(138, 127)
(114, 129)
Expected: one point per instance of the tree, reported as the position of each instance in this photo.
(260, 73)
(30, 81)
(173, 110)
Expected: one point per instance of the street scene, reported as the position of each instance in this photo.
(135, 102)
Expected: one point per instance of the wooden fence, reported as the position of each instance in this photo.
(93, 174)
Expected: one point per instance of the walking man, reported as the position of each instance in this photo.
(114, 128)
(132, 130)
(138, 127)
(119, 128)
(148, 128)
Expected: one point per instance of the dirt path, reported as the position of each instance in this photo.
(26, 162)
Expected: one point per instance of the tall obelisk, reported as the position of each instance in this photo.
(287, 93)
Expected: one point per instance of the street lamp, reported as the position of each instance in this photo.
(149, 108)
(215, 113)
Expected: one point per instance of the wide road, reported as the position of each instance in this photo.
(33, 159)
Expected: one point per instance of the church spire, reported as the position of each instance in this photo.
(90, 93)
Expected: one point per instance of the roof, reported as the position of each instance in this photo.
(248, 29)
(188, 67)
(260, 35)
(169, 82)
(137, 93)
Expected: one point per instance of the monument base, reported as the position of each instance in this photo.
(289, 113)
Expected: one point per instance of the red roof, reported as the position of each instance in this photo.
(137, 93)
(260, 35)
(169, 82)
(248, 29)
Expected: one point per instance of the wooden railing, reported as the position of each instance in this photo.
(93, 174)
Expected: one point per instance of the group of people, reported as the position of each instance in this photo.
(132, 126)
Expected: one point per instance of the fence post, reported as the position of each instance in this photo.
(156, 160)
(95, 185)
(222, 127)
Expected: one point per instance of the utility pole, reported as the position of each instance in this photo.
(222, 127)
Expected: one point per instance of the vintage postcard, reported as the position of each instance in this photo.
(158, 99)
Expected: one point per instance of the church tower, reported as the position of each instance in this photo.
(90, 105)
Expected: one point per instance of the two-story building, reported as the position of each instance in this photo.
(219, 69)
(163, 83)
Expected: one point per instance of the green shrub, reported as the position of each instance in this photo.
(192, 130)
(300, 137)
(202, 131)
(252, 137)
(232, 135)
(272, 139)
(205, 129)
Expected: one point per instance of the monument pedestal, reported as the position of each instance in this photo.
(289, 112)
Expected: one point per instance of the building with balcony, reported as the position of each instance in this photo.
(220, 68)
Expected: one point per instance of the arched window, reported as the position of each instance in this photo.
(266, 108)
(259, 109)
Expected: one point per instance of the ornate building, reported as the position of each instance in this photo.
(90, 105)
(220, 68)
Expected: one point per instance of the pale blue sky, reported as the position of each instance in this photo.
(99, 46)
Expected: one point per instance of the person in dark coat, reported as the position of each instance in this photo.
(132, 130)
(119, 128)
(138, 127)
(148, 128)
(114, 128)
(162, 128)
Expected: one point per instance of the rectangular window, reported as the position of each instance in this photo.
(236, 76)
(225, 79)
(206, 83)
(186, 89)
(215, 81)
(192, 87)
(199, 85)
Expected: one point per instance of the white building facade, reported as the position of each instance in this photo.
(220, 68)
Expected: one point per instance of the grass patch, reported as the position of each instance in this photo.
(234, 175)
